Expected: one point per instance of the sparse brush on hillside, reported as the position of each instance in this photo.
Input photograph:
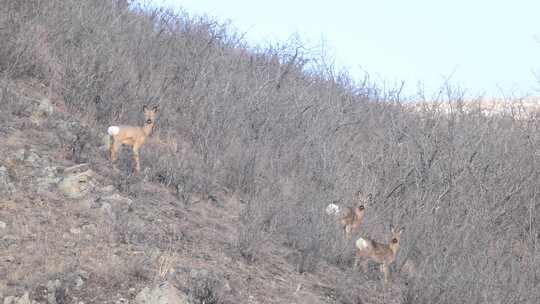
(291, 135)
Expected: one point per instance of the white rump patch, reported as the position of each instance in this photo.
(362, 244)
(113, 130)
(333, 209)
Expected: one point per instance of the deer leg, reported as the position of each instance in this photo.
(363, 264)
(113, 151)
(111, 144)
(136, 159)
(385, 270)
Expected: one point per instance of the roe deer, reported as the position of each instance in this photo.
(132, 136)
(384, 254)
(350, 218)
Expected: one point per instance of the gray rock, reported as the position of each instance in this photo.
(83, 274)
(75, 230)
(51, 298)
(89, 228)
(77, 185)
(19, 154)
(199, 273)
(10, 300)
(161, 294)
(44, 175)
(53, 285)
(8, 241)
(90, 202)
(28, 155)
(41, 109)
(69, 244)
(48, 177)
(107, 209)
(52, 289)
(45, 106)
(3, 225)
(80, 168)
(25, 299)
(117, 198)
(79, 282)
(6, 182)
(107, 189)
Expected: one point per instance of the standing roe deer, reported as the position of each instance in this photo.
(132, 136)
(350, 218)
(384, 254)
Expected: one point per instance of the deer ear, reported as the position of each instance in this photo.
(144, 108)
(155, 108)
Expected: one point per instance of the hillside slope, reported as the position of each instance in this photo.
(250, 146)
(90, 233)
(100, 240)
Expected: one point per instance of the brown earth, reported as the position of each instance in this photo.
(104, 237)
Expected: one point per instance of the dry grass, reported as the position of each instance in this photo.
(274, 126)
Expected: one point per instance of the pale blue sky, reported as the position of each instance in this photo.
(487, 47)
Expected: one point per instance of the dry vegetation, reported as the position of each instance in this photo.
(282, 131)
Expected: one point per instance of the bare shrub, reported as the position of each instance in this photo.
(140, 269)
(352, 289)
(252, 234)
(281, 126)
(203, 287)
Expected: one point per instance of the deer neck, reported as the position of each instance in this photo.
(394, 248)
(147, 129)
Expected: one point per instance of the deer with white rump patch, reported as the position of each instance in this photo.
(384, 254)
(350, 218)
(132, 136)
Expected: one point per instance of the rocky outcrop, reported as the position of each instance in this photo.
(41, 109)
(24, 299)
(77, 181)
(161, 294)
(6, 184)
(36, 169)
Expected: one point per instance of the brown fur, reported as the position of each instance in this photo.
(353, 217)
(133, 136)
(384, 254)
